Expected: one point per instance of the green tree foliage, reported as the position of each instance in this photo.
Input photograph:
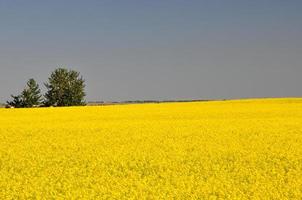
(65, 88)
(17, 102)
(30, 96)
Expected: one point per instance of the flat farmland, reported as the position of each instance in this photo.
(239, 149)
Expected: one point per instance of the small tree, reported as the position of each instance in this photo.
(17, 102)
(29, 97)
(65, 88)
(31, 94)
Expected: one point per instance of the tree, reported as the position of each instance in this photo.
(65, 88)
(17, 102)
(31, 94)
(29, 97)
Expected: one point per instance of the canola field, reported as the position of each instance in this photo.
(240, 149)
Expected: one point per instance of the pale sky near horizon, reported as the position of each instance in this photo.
(155, 50)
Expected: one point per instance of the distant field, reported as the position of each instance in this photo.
(237, 149)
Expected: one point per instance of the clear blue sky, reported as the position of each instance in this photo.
(157, 49)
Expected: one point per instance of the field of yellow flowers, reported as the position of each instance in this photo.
(240, 149)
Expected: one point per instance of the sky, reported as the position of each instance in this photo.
(155, 50)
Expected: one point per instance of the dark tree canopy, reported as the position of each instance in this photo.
(29, 97)
(65, 88)
(17, 102)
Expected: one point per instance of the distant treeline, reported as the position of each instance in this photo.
(92, 103)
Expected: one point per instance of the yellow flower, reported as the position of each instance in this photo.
(242, 149)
